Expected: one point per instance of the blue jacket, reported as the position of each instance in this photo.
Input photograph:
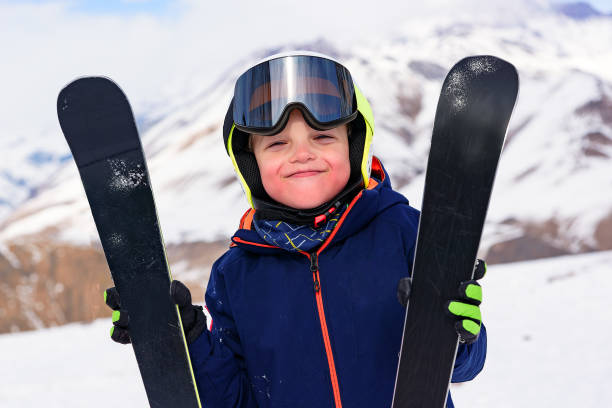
(303, 330)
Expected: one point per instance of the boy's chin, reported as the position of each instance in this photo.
(304, 205)
(305, 196)
(303, 202)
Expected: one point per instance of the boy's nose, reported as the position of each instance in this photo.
(302, 151)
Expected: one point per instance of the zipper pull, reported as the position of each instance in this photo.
(314, 268)
(314, 262)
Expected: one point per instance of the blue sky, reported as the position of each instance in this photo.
(601, 5)
(125, 7)
(163, 7)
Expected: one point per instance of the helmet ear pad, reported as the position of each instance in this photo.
(247, 164)
(245, 159)
(356, 140)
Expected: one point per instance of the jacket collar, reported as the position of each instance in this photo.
(362, 209)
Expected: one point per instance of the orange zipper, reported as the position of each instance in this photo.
(314, 268)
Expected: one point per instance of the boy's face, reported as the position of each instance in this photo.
(302, 167)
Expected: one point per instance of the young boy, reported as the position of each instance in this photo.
(304, 303)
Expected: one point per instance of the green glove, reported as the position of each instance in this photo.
(119, 331)
(466, 308)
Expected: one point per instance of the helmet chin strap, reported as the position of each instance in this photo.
(267, 210)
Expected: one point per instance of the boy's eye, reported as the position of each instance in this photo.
(277, 143)
(323, 137)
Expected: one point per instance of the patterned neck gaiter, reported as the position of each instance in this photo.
(295, 238)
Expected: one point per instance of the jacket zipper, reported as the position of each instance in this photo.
(314, 268)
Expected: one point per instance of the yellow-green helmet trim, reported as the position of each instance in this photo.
(363, 106)
(243, 183)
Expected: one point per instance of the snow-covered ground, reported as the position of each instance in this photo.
(76, 365)
(549, 324)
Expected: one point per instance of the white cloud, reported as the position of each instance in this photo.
(45, 46)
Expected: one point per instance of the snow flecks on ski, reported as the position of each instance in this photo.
(126, 176)
(482, 65)
(455, 89)
(456, 86)
(116, 239)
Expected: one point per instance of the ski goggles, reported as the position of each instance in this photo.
(321, 88)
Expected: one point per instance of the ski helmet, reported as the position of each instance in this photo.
(325, 93)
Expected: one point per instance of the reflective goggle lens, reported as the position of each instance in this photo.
(323, 87)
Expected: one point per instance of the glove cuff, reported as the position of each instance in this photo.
(198, 326)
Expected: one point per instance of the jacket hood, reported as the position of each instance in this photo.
(363, 208)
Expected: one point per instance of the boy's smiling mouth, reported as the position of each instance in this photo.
(304, 173)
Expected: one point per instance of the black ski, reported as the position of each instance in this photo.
(475, 105)
(99, 127)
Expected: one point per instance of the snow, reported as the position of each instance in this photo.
(75, 365)
(548, 325)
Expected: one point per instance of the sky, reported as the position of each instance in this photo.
(605, 6)
(159, 7)
(151, 46)
(124, 7)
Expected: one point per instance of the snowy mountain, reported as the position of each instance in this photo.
(552, 194)
(547, 347)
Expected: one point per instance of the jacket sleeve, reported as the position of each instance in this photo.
(470, 358)
(217, 357)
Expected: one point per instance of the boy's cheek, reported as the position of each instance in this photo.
(266, 164)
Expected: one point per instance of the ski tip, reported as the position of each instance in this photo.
(479, 66)
(96, 119)
(484, 63)
(85, 87)
(87, 79)
(488, 74)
